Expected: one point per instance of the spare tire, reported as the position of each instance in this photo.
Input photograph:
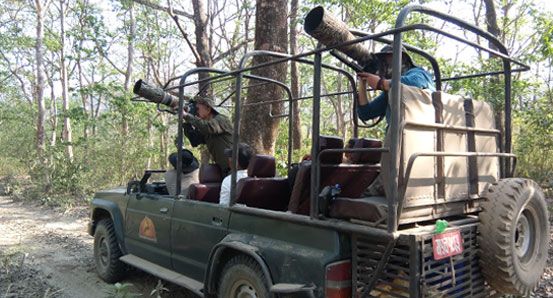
(514, 236)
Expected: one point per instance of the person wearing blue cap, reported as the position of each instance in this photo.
(411, 75)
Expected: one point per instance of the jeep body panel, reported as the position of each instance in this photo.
(110, 203)
(153, 212)
(196, 227)
(294, 253)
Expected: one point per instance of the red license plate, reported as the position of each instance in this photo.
(447, 244)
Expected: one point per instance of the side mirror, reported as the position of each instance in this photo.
(133, 187)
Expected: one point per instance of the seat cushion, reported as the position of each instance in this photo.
(265, 193)
(368, 209)
(353, 179)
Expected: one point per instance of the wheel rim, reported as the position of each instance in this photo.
(243, 289)
(525, 236)
(103, 252)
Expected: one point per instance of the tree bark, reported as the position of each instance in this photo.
(130, 58)
(258, 129)
(66, 133)
(491, 22)
(294, 76)
(39, 85)
(202, 40)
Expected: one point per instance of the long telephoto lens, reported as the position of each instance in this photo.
(154, 94)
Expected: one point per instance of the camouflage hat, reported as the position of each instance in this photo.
(208, 101)
(389, 50)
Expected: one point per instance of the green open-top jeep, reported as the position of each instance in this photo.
(316, 233)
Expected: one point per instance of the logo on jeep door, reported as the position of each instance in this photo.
(147, 229)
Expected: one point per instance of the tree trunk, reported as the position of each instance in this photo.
(491, 22)
(493, 28)
(130, 58)
(54, 109)
(294, 76)
(66, 133)
(39, 86)
(202, 40)
(258, 129)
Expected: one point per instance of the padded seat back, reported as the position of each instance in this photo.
(261, 189)
(366, 157)
(209, 188)
(352, 178)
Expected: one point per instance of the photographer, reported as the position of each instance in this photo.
(214, 128)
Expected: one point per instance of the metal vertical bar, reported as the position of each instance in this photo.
(180, 135)
(414, 266)
(440, 176)
(355, 118)
(291, 118)
(507, 172)
(354, 264)
(394, 130)
(236, 136)
(315, 136)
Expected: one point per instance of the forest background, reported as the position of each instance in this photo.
(68, 126)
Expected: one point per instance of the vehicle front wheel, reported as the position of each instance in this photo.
(242, 278)
(107, 252)
(514, 236)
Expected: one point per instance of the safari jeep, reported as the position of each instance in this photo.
(453, 222)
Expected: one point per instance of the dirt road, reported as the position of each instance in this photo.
(46, 253)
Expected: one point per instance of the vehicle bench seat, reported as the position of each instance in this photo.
(261, 189)
(352, 178)
(209, 188)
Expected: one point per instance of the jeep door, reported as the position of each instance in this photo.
(196, 228)
(147, 227)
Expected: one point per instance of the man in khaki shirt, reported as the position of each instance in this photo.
(215, 128)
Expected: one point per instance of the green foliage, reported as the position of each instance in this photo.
(121, 290)
(534, 141)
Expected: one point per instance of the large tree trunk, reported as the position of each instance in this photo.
(202, 39)
(294, 76)
(66, 133)
(258, 129)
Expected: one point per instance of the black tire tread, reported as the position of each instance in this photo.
(244, 262)
(497, 216)
(116, 269)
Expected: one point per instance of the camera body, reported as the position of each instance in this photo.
(191, 108)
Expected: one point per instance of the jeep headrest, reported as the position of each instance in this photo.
(210, 173)
(262, 166)
(366, 157)
(330, 142)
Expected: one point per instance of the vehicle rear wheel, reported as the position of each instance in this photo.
(242, 278)
(514, 236)
(107, 252)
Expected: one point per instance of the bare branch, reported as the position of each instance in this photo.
(232, 50)
(168, 10)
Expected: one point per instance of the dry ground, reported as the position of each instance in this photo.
(47, 253)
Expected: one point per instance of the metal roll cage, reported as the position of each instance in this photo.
(399, 180)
